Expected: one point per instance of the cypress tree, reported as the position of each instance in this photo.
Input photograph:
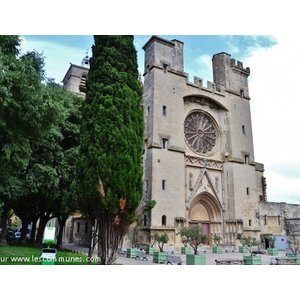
(110, 166)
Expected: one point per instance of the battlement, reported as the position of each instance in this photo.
(238, 67)
(161, 52)
(230, 74)
(210, 86)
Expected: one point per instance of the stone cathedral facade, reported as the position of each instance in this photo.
(199, 162)
(199, 158)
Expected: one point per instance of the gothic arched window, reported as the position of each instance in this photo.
(164, 220)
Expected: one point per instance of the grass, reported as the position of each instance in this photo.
(28, 255)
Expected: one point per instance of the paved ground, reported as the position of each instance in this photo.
(210, 257)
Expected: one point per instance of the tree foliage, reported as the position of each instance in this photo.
(193, 236)
(24, 114)
(161, 239)
(50, 173)
(248, 242)
(217, 239)
(39, 139)
(110, 168)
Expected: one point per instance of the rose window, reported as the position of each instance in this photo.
(200, 132)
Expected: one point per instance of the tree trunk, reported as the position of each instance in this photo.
(43, 222)
(94, 234)
(3, 225)
(24, 229)
(91, 240)
(33, 230)
(61, 223)
(110, 237)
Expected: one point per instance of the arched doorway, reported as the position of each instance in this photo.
(207, 211)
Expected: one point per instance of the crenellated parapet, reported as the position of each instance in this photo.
(229, 75)
(210, 86)
(237, 66)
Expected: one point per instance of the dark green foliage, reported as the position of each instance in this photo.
(9, 45)
(24, 114)
(50, 174)
(110, 167)
(148, 206)
(39, 139)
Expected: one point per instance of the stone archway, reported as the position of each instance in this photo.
(207, 211)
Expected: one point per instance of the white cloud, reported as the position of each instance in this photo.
(205, 66)
(275, 108)
(232, 49)
(284, 188)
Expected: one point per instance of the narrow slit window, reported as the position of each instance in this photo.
(248, 191)
(243, 129)
(250, 222)
(164, 220)
(165, 143)
(164, 110)
(191, 181)
(146, 186)
(163, 184)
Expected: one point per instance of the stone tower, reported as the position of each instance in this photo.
(199, 160)
(75, 78)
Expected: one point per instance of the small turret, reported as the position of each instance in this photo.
(230, 74)
(163, 54)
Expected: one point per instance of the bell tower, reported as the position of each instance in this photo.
(76, 76)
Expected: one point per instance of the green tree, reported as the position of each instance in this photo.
(110, 166)
(217, 239)
(23, 116)
(193, 236)
(49, 176)
(247, 242)
(161, 239)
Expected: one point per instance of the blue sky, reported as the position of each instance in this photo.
(60, 50)
(272, 84)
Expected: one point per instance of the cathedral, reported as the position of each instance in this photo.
(199, 163)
